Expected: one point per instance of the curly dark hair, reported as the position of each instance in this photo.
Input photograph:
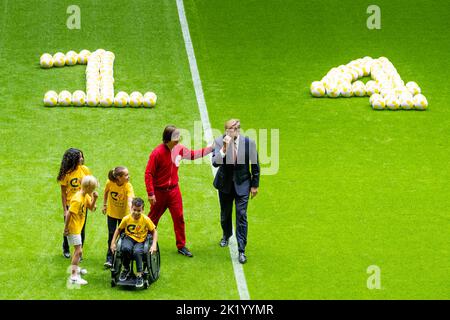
(69, 162)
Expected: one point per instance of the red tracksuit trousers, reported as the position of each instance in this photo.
(170, 199)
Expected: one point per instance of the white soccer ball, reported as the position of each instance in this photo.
(372, 87)
(83, 56)
(65, 98)
(392, 102)
(386, 92)
(378, 103)
(71, 58)
(317, 89)
(136, 99)
(59, 59)
(46, 61)
(346, 89)
(79, 98)
(333, 91)
(92, 100)
(121, 99)
(50, 98)
(406, 101)
(420, 102)
(100, 52)
(359, 89)
(413, 88)
(149, 99)
(106, 100)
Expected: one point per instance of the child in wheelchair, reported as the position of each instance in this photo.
(136, 227)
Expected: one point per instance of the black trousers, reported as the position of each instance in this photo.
(132, 248)
(113, 223)
(66, 243)
(226, 220)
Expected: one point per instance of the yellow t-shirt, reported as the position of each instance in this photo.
(78, 208)
(137, 229)
(72, 181)
(117, 203)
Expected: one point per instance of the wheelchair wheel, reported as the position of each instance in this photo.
(117, 262)
(153, 265)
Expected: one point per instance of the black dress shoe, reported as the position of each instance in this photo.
(242, 258)
(223, 242)
(185, 252)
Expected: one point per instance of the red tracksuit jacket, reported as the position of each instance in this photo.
(162, 166)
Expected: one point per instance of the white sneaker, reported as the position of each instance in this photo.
(82, 271)
(77, 280)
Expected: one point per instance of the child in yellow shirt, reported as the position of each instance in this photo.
(71, 172)
(136, 226)
(75, 220)
(116, 203)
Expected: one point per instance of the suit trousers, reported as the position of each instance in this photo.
(226, 220)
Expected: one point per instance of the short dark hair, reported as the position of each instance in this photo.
(167, 134)
(137, 202)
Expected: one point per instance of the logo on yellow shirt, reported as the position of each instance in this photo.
(74, 183)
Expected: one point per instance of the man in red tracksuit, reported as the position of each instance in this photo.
(161, 181)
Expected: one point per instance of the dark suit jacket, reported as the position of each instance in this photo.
(238, 174)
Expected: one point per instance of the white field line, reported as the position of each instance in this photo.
(238, 269)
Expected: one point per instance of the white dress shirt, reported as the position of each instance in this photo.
(236, 143)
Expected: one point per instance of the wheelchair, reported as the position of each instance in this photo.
(151, 265)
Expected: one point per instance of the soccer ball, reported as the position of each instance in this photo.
(100, 52)
(372, 87)
(83, 56)
(121, 100)
(386, 92)
(71, 58)
(317, 89)
(378, 103)
(78, 98)
(50, 98)
(392, 102)
(136, 99)
(59, 59)
(333, 91)
(65, 98)
(359, 89)
(406, 101)
(420, 102)
(92, 100)
(413, 88)
(149, 99)
(106, 101)
(346, 89)
(46, 61)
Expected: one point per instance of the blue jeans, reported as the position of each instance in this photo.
(132, 248)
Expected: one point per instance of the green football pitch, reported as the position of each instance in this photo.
(355, 188)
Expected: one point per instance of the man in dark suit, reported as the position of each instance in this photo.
(234, 155)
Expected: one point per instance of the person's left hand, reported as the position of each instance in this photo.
(253, 192)
(153, 248)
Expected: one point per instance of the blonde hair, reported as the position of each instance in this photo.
(232, 123)
(89, 182)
